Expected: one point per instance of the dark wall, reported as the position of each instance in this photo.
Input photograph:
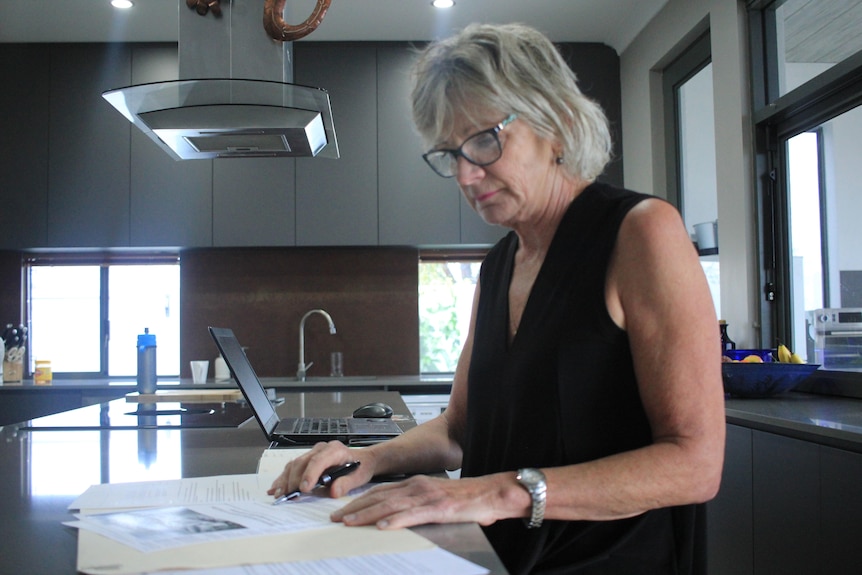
(597, 67)
(262, 294)
(10, 287)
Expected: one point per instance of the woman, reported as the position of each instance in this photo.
(586, 411)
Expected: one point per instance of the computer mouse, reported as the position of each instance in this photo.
(375, 410)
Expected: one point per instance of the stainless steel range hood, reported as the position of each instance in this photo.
(234, 98)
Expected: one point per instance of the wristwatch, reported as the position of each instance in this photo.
(533, 481)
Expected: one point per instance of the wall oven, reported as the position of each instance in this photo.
(834, 337)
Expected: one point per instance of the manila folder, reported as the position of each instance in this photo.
(98, 555)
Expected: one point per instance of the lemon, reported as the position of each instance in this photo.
(752, 359)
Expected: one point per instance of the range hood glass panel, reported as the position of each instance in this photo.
(137, 103)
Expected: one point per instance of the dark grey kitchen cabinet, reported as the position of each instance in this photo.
(785, 506)
(171, 201)
(88, 151)
(336, 200)
(729, 519)
(254, 202)
(786, 484)
(24, 104)
(75, 173)
(416, 206)
(841, 509)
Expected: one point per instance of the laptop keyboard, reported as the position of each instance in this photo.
(322, 425)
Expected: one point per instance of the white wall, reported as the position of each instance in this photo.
(667, 35)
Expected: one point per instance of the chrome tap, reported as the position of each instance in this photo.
(302, 368)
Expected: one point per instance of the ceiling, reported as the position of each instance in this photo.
(612, 22)
(818, 31)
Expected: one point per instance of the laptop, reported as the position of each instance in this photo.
(294, 431)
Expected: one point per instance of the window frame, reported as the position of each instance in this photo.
(695, 58)
(775, 120)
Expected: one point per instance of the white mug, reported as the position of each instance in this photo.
(706, 235)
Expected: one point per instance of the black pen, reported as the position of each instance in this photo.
(325, 480)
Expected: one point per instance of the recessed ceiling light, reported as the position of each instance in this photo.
(122, 3)
(443, 3)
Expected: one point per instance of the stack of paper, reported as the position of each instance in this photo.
(226, 525)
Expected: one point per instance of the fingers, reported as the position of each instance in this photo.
(415, 501)
(304, 472)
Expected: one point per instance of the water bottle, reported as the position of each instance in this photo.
(146, 362)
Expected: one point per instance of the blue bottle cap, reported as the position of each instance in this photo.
(147, 339)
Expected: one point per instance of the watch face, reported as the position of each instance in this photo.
(531, 476)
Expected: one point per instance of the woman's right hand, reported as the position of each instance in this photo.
(303, 472)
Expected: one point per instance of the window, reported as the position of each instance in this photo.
(85, 314)
(691, 171)
(447, 282)
(808, 100)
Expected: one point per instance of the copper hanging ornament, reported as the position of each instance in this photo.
(278, 29)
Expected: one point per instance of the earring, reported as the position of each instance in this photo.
(560, 160)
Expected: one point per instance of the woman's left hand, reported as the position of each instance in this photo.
(421, 499)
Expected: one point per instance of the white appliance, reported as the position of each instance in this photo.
(425, 407)
(834, 337)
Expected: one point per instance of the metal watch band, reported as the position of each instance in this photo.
(533, 481)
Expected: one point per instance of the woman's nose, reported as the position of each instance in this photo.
(467, 172)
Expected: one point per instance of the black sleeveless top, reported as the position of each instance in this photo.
(563, 392)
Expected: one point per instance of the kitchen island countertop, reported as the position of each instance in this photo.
(441, 383)
(26, 400)
(828, 420)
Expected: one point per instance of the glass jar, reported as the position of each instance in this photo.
(43, 374)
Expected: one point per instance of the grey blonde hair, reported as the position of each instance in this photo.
(509, 68)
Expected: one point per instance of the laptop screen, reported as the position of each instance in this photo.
(246, 378)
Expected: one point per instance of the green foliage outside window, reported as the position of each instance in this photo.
(445, 298)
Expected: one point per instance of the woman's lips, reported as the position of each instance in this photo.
(482, 197)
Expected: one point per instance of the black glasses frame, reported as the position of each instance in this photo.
(432, 157)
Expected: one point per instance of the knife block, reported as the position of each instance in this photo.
(13, 371)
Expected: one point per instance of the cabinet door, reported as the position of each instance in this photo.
(88, 166)
(171, 201)
(336, 200)
(786, 505)
(417, 207)
(254, 202)
(729, 515)
(24, 101)
(841, 509)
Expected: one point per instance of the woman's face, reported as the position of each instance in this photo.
(519, 186)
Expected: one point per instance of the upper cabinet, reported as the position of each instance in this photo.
(75, 173)
(416, 205)
(24, 105)
(336, 200)
(171, 202)
(88, 148)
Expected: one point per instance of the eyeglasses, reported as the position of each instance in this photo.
(481, 149)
